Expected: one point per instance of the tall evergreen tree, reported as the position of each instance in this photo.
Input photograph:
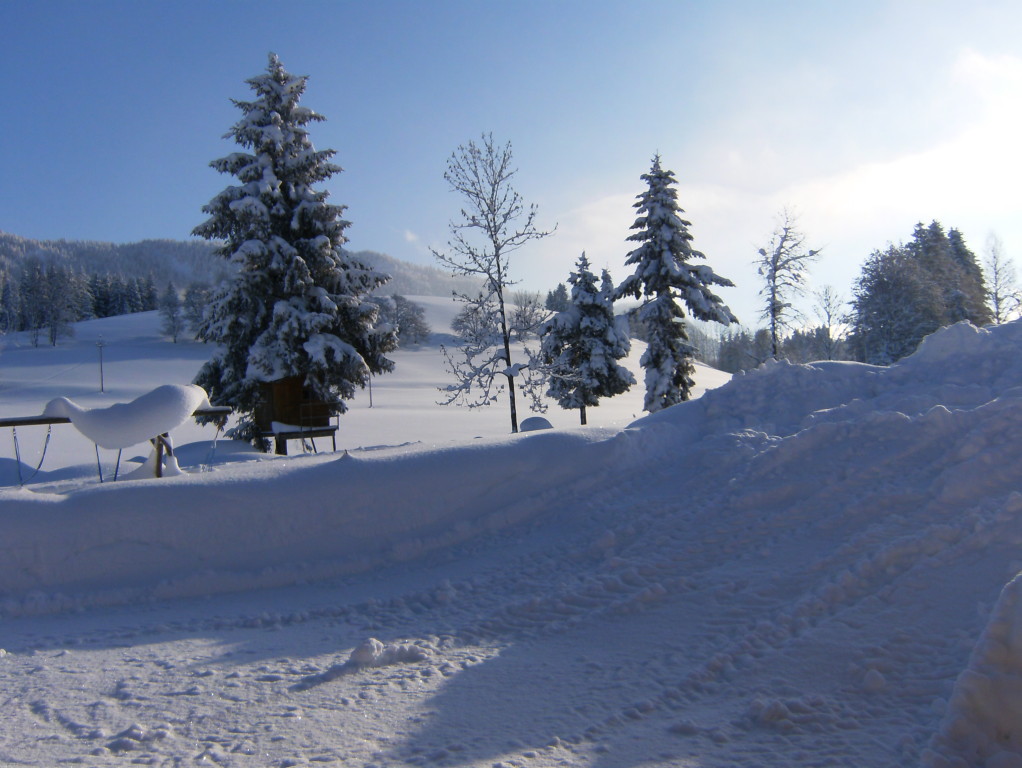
(172, 314)
(34, 298)
(134, 295)
(59, 303)
(298, 303)
(582, 344)
(99, 288)
(664, 276)
(120, 301)
(970, 280)
(10, 304)
(557, 299)
(954, 268)
(148, 295)
(82, 296)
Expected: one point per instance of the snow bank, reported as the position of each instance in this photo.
(272, 522)
(277, 522)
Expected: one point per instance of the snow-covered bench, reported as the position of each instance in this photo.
(281, 433)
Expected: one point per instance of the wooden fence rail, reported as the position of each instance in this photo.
(222, 411)
(161, 442)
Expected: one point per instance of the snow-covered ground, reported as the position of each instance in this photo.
(792, 570)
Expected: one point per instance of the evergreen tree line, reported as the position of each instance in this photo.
(180, 261)
(45, 299)
(741, 349)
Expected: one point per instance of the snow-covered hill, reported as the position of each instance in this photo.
(791, 570)
(187, 261)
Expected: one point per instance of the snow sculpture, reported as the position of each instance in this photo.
(125, 424)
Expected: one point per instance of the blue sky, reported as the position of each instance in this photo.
(863, 117)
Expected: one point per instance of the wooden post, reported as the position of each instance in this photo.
(162, 443)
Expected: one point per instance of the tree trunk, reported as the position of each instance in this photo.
(511, 401)
(507, 351)
(582, 414)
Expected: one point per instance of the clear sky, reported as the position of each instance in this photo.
(863, 117)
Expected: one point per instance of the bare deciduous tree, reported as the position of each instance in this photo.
(494, 223)
(1002, 290)
(831, 312)
(527, 314)
(784, 266)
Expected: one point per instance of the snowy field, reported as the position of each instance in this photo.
(805, 566)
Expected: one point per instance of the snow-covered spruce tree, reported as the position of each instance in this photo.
(10, 304)
(297, 304)
(494, 222)
(61, 303)
(664, 275)
(34, 299)
(557, 299)
(582, 344)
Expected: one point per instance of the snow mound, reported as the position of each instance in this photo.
(533, 423)
(980, 725)
(953, 341)
(125, 424)
(373, 653)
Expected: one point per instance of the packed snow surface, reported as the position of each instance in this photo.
(810, 565)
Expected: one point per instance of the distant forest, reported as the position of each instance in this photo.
(45, 285)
